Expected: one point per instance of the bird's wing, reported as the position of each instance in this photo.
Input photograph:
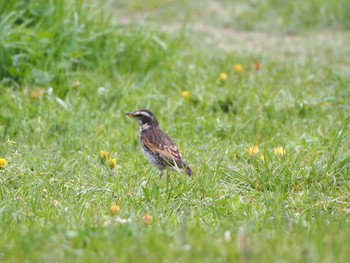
(165, 148)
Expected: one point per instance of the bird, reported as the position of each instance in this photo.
(158, 148)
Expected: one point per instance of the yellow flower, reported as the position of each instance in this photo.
(37, 94)
(76, 84)
(3, 163)
(253, 150)
(185, 95)
(147, 219)
(223, 77)
(279, 151)
(262, 158)
(238, 68)
(114, 209)
(112, 162)
(104, 154)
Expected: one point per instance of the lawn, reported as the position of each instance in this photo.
(256, 96)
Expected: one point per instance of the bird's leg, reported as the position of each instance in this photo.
(167, 178)
(160, 173)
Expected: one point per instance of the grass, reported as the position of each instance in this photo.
(71, 70)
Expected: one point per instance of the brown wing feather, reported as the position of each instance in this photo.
(165, 147)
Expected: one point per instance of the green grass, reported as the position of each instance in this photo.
(56, 193)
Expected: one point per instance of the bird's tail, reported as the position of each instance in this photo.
(188, 171)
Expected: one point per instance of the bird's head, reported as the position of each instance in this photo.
(144, 117)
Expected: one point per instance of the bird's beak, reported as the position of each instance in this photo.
(130, 114)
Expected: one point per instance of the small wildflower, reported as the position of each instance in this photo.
(37, 94)
(262, 158)
(3, 163)
(147, 219)
(112, 163)
(257, 65)
(223, 77)
(56, 202)
(104, 154)
(121, 221)
(185, 95)
(101, 90)
(114, 209)
(253, 150)
(279, 151)
(76, 84)
(238, 68)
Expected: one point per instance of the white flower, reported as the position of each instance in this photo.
(122, 221)
(101, 90)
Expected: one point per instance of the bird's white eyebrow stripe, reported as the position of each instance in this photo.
(143, 113)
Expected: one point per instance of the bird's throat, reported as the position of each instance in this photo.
(145, 126)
